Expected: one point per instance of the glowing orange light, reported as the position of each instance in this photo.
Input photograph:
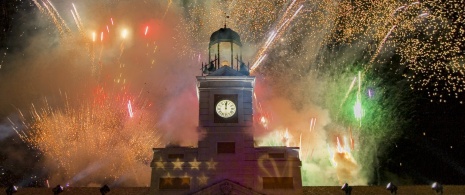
(124, 34)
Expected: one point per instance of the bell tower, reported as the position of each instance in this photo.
(226, 160)
(225, 109)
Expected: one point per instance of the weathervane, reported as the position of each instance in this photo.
(225, 17)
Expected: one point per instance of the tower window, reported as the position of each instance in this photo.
(276, 155)
(226, 147)
(278, 183)
(174, 183)
(175, 156)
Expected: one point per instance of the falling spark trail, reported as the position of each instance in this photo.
(358, 111)
(423, 15)
(41, 9)
(259, 61)
(290, 6)
(378, 50)
(398, 9)
(274, 34)
(312, 124)
(76, 21)
(21, 134)
(167, 8)
(270, 39)
(59, 19)
(59, 16)
(359, 82)
(339, 146)
(295, 14)
(54, 19)
(381, 45)
(348, 92)
(78, 17)
(77, 14)
(131, 114)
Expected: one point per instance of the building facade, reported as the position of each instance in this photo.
(226, 160)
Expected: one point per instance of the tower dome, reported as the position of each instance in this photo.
(225, 35)
(225, 49)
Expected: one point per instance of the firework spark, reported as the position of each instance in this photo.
(294, 41)
(131, 114)
(283, 24)
(88, 133)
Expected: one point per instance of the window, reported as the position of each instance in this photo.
(175, 183)
(276, 155)
(226, 147)
(278, 183)
(175, 156)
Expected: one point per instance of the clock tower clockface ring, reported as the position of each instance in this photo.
(225, 108)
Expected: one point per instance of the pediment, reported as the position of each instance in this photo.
(226, 187)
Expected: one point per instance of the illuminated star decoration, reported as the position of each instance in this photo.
(195, 164)
(211, 164)
(186, 180)
(177, 164)
(160, 164)
(202, 179)
(168, 180)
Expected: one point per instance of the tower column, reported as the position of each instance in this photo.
(218, 56)
(232, 51)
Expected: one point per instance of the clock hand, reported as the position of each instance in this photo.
(226, 105)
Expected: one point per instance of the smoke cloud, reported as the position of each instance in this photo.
(93, 75)
(73, 92)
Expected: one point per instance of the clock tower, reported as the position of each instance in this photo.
(226, 160)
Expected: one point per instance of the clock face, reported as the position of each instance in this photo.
(225, 108)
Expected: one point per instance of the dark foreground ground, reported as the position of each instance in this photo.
(363, 190)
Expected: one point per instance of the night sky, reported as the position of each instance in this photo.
(429, 147)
